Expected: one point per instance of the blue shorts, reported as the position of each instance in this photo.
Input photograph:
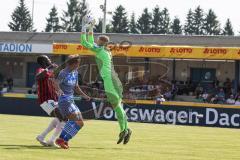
(67, 107)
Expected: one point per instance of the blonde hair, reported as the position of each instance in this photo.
(104, 39)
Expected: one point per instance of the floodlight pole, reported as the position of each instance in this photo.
(104, 16)
(32, 14)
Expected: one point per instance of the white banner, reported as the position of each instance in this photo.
(25, 48)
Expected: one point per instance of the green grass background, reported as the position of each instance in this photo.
(97, 141)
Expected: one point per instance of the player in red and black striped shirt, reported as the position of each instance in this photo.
(47, 98)
(46, 89)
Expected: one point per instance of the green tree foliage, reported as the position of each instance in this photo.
(189, 26)
(176, 27)
(144, 22)
(156, 21)
(53, 21)
(133, 24)
(211, 24)
(73, 16)
(119, 20)
(198, 21)
(165, 22)
(228, 29)
(21, 18)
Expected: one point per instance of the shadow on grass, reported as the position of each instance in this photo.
(9, 146)
(96, 148)
(16, 147)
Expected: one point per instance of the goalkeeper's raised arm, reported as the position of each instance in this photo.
(102, 41)
(90, 34)
(90, 42)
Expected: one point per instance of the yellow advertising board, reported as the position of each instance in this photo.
(156, 51)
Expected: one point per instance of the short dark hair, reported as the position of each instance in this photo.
(41, 60)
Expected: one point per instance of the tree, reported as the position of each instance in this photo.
(83, 10)
(72, 18)
(133, 25)
(165, 22)
(189, 26)
(198, 21)
(21, 18)
(120, 21)
(157, 18)
(109, 28)
(228, 29)
(98, 27)
(144, 22)
(53, 21)
(176, 27)
(211, 25)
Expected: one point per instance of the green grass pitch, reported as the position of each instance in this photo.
(97, 141)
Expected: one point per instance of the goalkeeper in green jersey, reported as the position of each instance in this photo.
(112, 85)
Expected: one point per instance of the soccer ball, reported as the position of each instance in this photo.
(89, 20)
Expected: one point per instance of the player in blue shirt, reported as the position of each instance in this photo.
(68, 83)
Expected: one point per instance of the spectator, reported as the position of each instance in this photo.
(160, 99)
(214, 99)
(189, 86)
(231, 100)
(237, 102)
(237, 95)
(216, 82)
(227, 87)
(1, 79)
(168, 94)
(221, 96)
(212, 92)
(199, 90)
(33, 90)
(3, 89)
(174, 89)
(199, 98)
(205, 96)
(10, 83)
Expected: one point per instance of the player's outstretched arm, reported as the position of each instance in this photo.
(88, 45)
(90, 42)
(84, 41)
(80, 92)
(41, 74)
(83, 36)
(56, 83)
(44, 72)
(90, 34)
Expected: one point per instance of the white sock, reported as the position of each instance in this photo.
(50, 127)
(57, 131)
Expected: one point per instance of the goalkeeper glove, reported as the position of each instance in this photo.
(84, 25)
(91, 26)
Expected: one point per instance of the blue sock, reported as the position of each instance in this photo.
(70, 129)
